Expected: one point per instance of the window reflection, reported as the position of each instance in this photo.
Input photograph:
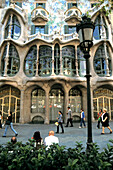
(56, 102)
(75, 100)
(38, 101)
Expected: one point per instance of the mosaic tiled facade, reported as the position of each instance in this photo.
(42, 69)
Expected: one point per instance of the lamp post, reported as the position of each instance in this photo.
(85, 31)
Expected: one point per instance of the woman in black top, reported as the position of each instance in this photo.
(9, 122)
(105, 121)
(38, 139)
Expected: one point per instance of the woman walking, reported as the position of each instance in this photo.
(9, 123)
(99, 118)
(105, 121)
(60, 121)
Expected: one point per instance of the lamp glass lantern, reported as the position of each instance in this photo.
(85, 31)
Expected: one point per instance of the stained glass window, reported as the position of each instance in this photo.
(102, 61)
(68, 56)
(100, 24)
(45, 60)
(13, 61)
(15, 28)
(57, 59)
(30, 62)
(81, 63)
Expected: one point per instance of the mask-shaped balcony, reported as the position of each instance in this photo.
(40, 15)
(73, 13)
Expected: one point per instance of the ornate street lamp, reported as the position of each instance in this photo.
(85, 30)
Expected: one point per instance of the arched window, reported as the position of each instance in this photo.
(100, 27)
(75, 98)
(30, 62)
(38, 101)
(102, 61)
(13, 61)
(103, 98)
(45, 60)
(7, 27)
(56, 101)
(81, 63)
(57, 59)
(15, 27)
(68, 56)
(10, 100)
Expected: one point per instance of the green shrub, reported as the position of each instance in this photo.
(25, 157)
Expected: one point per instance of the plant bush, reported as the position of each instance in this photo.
(26, 157)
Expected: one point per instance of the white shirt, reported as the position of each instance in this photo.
(49, 140)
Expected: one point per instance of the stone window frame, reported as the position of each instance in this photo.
(10, 27)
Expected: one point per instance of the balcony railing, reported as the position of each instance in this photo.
(39, 12)
(63, 37)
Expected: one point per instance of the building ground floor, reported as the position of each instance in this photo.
(40, 101)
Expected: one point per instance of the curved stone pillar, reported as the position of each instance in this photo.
(47, 108)
(22, 107)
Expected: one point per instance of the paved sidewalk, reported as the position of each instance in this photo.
(70, 136)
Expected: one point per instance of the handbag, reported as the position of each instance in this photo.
(7, 122)
(56, 123)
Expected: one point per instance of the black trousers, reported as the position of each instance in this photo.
(61, 127)
(69, 120)
(0, 124)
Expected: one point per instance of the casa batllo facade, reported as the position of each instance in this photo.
(42, 73)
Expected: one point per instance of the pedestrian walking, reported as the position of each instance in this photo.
(9, 123)
(99, 118)
(69, 117)
(60, 122)
(105, 121)
(82, 116)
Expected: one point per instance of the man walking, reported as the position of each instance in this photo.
(69, 117)
(82, 116)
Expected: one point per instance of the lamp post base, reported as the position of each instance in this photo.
(89, 145)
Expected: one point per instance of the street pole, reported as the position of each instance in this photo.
(89, 115)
